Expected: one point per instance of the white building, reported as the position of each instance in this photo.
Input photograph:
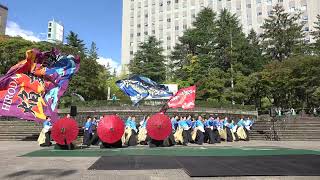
(3, 19)
(167, 19)
(55, 32)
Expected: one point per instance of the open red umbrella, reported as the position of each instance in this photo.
(110, 129)
(64, 131)
(159, 126)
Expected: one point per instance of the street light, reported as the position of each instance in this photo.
(231, 67)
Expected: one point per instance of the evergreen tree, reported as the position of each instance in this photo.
(149, 60)
(316, 36)
(230, 40)
(282, 34)
(74, 41)
(252, 59)
(93, 52)
(196, 44)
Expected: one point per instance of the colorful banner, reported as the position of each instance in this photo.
(32, 88)
(139, 88)
(185, 98)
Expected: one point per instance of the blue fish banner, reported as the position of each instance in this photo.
(139, 88)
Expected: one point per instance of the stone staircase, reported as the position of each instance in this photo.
(19, 130)
(288, 129)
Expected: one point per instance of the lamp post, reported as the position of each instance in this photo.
(231, 67)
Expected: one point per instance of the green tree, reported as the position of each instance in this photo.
(93, 52)
(198, 42)
(252, 59)
(149, 61)
(74, 41)
(12, 50)
(293, 82)
(316, 36)
(282, 35)
(230, 40)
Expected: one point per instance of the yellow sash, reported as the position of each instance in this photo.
(241, 133)
(178, 136)
(42, 137)
(126, 135)
(223, 134)
(194, 133)
(142, 136)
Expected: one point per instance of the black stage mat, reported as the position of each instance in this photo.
(284, 165)
(134, 163)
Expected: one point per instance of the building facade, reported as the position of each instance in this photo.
(55, 32)
(168, 19)
(3, 19)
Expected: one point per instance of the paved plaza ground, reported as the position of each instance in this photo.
(13, 166)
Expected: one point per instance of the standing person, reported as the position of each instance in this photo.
(45, 135)
(247, 127)
(189, 122)
(114, 98)
(240, 129)
(142, 135)
(216, 128)
(209, 136)
(185, 133)
(93, 130)
(198, 131)
(87, 131)
(222, 130)
(228, 128)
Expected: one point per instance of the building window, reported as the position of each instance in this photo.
(169, 20)
(138, 34)
(139, 25)
(49, 35)
(131, 35)
(176, 28)
(131, 52)
(248, 5)
(185, 26)
(176, 1)
(168, 3)
(49, 30)
(168, 47)
(306, 29)
(168, 38)
(146, 33)
(259, 13)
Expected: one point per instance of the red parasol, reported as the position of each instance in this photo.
(64, 131)
(159, 126)
(110, 129)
